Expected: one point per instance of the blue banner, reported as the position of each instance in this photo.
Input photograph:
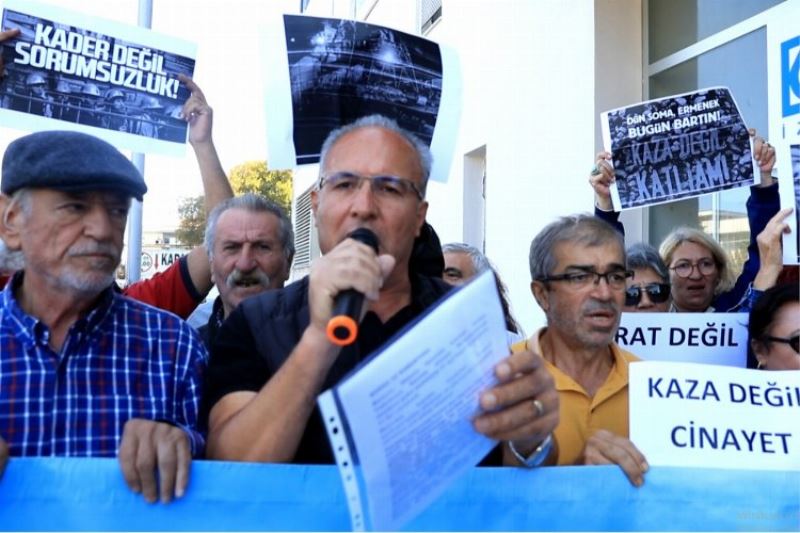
(90, 494)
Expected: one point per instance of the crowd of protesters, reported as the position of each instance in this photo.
(136, 382)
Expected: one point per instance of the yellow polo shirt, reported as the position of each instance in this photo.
(581, 416)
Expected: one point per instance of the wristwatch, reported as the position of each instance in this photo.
(537, 456)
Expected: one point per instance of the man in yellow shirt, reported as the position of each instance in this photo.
(578, 270)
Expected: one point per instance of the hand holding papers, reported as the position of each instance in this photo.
(401, 426)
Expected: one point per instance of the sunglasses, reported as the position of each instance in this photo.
(657, 292)
(794, 342)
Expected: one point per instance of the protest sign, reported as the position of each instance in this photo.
(684, 414)
(783, 87)
(328, 72)
(677, 147)
(711, 338)
(69, 71)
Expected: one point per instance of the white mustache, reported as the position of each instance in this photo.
(93, 248)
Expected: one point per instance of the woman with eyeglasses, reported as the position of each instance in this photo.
(649, 289)
(699, 270)
(774, 328)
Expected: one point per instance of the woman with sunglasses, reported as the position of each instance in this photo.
(774, 328)
(649, 289)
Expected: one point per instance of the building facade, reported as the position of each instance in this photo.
(535, 77)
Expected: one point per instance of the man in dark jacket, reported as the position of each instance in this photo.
(272, 356)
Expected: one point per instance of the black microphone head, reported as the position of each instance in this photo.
(366, 236)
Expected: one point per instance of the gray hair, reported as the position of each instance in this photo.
(480, 263)
(21, 197)
(253, 203)
(13, 260)
(582, 228)
(379, 121)
(642, 256)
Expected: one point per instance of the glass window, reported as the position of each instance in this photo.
(740, 65)
(676, 24)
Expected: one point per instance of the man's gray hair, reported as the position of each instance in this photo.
(255, 204)
(642, 256)
(379, 121)
(583, 228)
(480, 263)
(13, 260)
(21, 197)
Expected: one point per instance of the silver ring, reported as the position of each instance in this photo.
(539, 408)
(596, 170)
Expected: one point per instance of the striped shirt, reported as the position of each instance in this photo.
(123, 360)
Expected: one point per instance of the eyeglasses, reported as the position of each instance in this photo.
(657, 292)
(389, 187)
(684, 269)
(581, 280)
(794, 342)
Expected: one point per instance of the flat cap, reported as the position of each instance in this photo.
(69, 161)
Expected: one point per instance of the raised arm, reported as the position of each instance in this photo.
(762, 205)
(216, 186)
(189, 281)
(601, 178)
(770, 251)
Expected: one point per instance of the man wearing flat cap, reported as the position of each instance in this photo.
(85, 371)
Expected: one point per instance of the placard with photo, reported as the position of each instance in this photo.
(677, 147)
(69, 71)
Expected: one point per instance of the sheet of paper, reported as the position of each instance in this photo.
(407, 414)
(710, 416)
(69, 71)
(677, 147)
(710, 338)
(323, 73)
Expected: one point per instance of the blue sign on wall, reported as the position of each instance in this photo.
(790, 76)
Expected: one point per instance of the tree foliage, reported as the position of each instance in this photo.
(192, 225)
(251, 176)
(256, 177)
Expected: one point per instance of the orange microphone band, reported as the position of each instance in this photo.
(342, 330)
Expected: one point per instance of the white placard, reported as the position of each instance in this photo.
(711, 338)
(710, 416)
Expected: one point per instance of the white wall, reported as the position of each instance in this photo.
(528, 72)
(618, 78)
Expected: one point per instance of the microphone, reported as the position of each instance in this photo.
(342, 328)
